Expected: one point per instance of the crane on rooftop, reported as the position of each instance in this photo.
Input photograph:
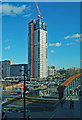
(39, 16)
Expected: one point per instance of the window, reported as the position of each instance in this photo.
(46, 37)
(38, 52)
(38, 35)
(46, 52)
(38, 69)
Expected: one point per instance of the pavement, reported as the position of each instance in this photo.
(38, 110)
(65, 111)
(50, 112)
(61, 113)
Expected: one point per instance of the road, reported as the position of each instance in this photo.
(46, 110)
(38, 109)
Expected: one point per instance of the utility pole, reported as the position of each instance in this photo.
(24, 94)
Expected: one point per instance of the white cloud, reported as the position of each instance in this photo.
(73, 36)
(51, 44)
(58, 44)
(67, 37)
(7, 48)
(76, 35)
(52, 51)
(0, 8)
(28, 15)
(55, 44)
(28, 8)
(77, 40)
(8, 9)
(7, 40)
(68, 44)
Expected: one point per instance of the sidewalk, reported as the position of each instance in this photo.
(65, 111)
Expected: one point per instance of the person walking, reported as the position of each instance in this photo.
(80, 92)
(71, 104)
(5, 117)
(61, 103)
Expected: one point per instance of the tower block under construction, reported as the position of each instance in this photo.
(37, 50)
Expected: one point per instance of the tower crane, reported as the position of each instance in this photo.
(39, 16)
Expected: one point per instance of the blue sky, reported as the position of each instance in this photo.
(63, 24)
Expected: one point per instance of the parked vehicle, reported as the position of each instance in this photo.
(21, 112)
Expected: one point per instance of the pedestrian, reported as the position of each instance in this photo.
(61, 103)
(5, 117)
(70, 92)
(71, 103)
(80, 92)
(3, 113)
(67, 92)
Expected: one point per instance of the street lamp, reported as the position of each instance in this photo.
(24, 92)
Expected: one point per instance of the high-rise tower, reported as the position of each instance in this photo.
(37, 50)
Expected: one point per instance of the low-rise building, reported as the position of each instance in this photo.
(18, 70)
(51, 71)
(62, 71)
(9, 69)
(5, 68)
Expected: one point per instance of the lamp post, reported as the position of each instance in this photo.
(24, 93)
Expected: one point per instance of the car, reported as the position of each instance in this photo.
(9, 110)
(4, 116)
(21, 113)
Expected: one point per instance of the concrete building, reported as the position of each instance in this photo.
(51, 70)
(62, 71)
(9, 69)
(5, 68)
(16, 70)
(37, 50)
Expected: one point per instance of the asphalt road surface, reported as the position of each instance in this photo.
(37, 109)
